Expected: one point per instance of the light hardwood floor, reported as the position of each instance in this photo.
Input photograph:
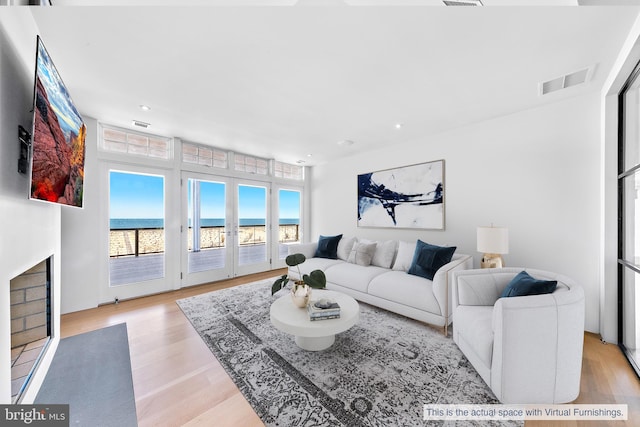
(177, 381)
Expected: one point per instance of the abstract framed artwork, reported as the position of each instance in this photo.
(405, 197)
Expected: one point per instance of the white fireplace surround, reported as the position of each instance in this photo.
(14, 263)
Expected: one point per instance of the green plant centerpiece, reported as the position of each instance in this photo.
(316, 279)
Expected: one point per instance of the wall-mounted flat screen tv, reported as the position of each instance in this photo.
(58, 138)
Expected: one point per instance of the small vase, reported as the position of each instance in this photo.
(300, 294)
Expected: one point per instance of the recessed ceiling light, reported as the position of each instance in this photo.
(398, 125)
(144, 107)
(300, 162)
(309, 155)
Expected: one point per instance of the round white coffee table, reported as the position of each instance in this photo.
(318, 334)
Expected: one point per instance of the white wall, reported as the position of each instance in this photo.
(80, 236)
(535, 172)
(29, 230)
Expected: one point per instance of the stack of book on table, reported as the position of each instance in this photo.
(323, 309)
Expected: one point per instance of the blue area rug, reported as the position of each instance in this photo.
(379, 373)
(92, 373)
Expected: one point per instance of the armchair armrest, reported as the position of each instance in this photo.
(306, 249)
(483, 286)
(538, 341)
(475, 287)
(443, 279)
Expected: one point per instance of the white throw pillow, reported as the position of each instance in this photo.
(384, 254)
(404, 258)
(344, 247)
(362, 253)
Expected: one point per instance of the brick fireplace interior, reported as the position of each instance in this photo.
(30, 323)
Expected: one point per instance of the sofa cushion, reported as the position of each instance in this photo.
(428, 259)
(523, 284)
(353, 276)
(403, 288)
(344, 247)
(474, 325)
(328, 247)
(362, 253)
(315, 264)
(405, 256)
(384, 254)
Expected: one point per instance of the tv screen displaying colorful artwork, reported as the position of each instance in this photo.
(58, 138)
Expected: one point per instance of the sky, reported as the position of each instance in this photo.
(252, 202)
(135, 195)
(212, 199)
(289, 204)
(141, 196)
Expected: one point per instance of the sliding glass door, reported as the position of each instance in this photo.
(225, 228)
(252, 223)
(137, 241)
(210, 215)
(629, 221)
(136, 220)
(288, 232)
(207, 252)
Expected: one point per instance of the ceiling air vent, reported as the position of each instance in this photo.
(141, 124)
(566, 81)
(462, 2)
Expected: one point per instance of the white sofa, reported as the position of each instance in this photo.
(527, 349)
(386, 283)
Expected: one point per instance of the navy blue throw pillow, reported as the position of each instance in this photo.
(328, 247)
(523, 284)
(427, 259)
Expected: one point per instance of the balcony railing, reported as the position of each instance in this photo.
(142, 241)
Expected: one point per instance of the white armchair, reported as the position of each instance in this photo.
(527, 349)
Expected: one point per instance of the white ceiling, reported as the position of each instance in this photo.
(284, 82)
(308, 2)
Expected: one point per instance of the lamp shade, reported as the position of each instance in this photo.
(493, 240)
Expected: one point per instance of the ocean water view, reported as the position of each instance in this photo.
(142, 223)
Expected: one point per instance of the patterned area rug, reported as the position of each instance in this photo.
(379, 373)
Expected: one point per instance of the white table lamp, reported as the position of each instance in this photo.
(493, 242)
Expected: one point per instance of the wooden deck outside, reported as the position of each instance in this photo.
(132, 269)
